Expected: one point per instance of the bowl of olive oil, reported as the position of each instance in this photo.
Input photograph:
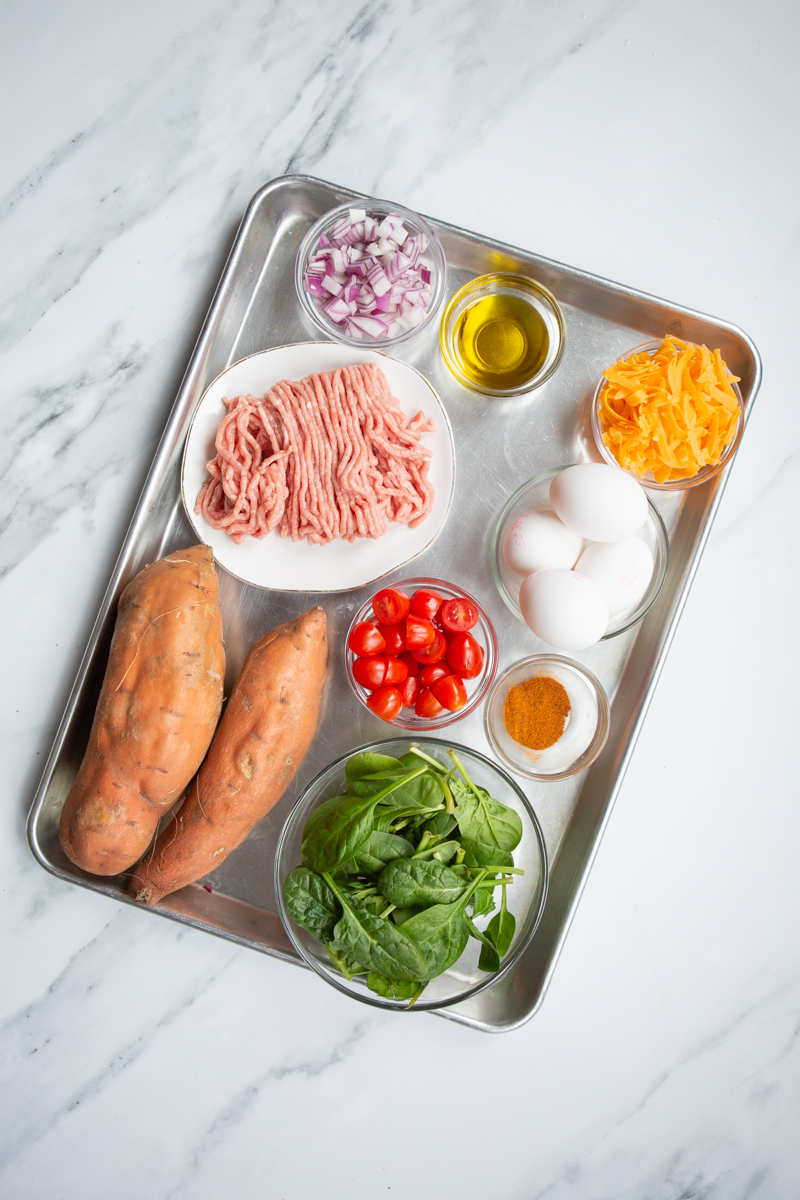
(503, 334)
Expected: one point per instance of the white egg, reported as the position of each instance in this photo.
(537, 541)
(564, 608)
(599, 502)
(622, 571)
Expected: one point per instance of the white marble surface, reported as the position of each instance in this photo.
(651, 143)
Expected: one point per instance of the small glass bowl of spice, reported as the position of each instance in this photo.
(547, 717)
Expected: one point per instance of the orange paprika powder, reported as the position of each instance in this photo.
(536, 711)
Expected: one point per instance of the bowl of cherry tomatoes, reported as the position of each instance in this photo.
(421, 654)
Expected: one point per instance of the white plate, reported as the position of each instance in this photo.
(276, 562)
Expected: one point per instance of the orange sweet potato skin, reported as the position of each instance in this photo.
(265, 730)
(158, 709)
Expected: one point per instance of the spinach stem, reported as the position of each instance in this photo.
(415, 812)
(463, 771)
(462, 900)
(429, 852)
(426, 840)
(417, 995)
(439, 767)
(504, 870)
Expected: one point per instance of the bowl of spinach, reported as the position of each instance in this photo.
(411, 874)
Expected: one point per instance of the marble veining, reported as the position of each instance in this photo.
(654, 145)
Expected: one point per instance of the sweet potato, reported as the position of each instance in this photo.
(158, 709)
(265, 730)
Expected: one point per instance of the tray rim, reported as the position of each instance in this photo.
(163, 450)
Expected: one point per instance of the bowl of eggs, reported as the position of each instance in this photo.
(580, 553)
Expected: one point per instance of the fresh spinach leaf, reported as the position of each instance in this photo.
(420, 792)
(348, 867)
(501, 929)
(441, 824)
(340, 834)
(482, 902)
(411, 881)
(480, 854)
(485, 821)
(401, 915)
(318, 815)
(370, 785)
(489, 958)
(381, 848)
(441, 931)
(378, 943)
(311, 903)
(441, 934)
(343, 830)
(394, 989)
(367, 764)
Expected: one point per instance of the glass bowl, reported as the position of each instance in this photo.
(503, 283)
(585, 730)
(483, 633)
(535, 495)
(675, 485)
(525, 898)
(433, 259)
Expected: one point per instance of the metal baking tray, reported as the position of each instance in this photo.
(498, 446)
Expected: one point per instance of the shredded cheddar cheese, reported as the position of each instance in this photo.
(671, 413)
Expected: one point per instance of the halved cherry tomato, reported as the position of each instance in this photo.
(396, 671)
(427, 705)
(425, 604)
(385, 703)
(434, 651)
(409, 690)
(465, 655)
(390, 606)
(370, 672)
(450, 692)
(419, 632)
(430, 675)
(366, 639)
(412, 664)
(394, 636)
(458, 615)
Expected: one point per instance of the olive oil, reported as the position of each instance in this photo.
(501, 341)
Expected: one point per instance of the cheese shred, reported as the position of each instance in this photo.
(671, 413)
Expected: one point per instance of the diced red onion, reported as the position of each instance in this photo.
(336, 309)
(368, 275)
